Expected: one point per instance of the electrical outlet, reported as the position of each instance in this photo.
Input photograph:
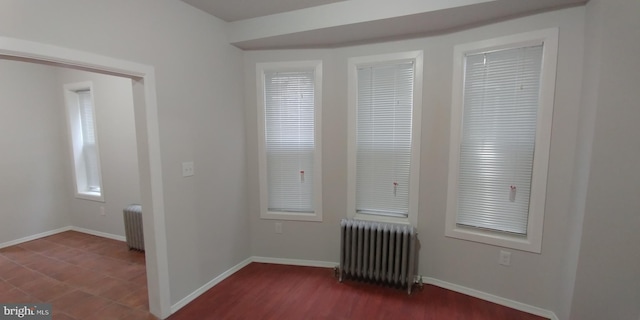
(187, 169)
(505, 258)
(102, 213)
(279, 227)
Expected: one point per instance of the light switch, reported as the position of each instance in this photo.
(187, 169)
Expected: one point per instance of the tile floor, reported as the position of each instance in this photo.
(82, 276)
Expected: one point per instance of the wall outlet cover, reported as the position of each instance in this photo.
(187, 169)
(279, 227)
(505, 258)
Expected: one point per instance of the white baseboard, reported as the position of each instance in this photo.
(180, 304)
(33, 237)
(326, 264)
(99, 233)
(63, 229)
(491, 298)
(295, 262)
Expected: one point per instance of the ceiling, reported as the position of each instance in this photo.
(234, 10)
(286, 24)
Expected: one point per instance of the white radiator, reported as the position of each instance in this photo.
(133, 227)
(378, 252)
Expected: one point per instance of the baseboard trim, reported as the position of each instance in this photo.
(63, 229)
(34, 237)
(295, 262)
(180, 304)
(491, 298)
(326, 264)
(99, 233)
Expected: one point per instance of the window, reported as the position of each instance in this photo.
(289, 105)
(502, 107)
(384, 136)
(84, 141)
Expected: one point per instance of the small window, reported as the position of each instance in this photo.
(501, 124)
(289, 116)
(384, 147)
(84, 141)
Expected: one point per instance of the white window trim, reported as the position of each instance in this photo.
(72, 108)
(532, 242)
(414, 180)
(261, 68)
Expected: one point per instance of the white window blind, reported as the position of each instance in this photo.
(383, 138)
(290, 145)
(501, 91)
(89, 149)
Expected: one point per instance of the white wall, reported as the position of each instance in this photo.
(33, 167)
(532, 278)
(201, 115)
(607, 284)
(44, 113)
(113, 99)
(200, 110)
(582, 161)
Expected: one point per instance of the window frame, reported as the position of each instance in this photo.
(74, 126)
(416, 131)
(532, 241)
(261, 68)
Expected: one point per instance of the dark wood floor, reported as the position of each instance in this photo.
(87, 277)
(269, 291)
(82, 276)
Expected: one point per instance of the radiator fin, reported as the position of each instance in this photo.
(133, 227)
(378, 252)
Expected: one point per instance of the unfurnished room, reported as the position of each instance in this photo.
(320, 159)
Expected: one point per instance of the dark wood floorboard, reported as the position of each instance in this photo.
(91, 277)
(269, 291)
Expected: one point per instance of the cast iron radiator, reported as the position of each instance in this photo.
(133, 227)
(377, 252)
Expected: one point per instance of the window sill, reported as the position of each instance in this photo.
(524, 243)
(379, 218)
(291, 216)
(91, 196)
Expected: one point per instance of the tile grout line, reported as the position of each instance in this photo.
(74, 288)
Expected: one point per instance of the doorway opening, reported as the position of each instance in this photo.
(148, 147)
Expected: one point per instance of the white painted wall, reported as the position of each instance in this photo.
(34, 197)
(113, 99)
(607, 284)
(200, 99)
(582, 160)
(533, 279)
(44, 115)
(201, 118)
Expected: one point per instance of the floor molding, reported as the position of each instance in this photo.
(491, 298)
(34, 237)
(59, 230)
(295, 262)
(180, 304)
(99, 233)
(326, 264)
